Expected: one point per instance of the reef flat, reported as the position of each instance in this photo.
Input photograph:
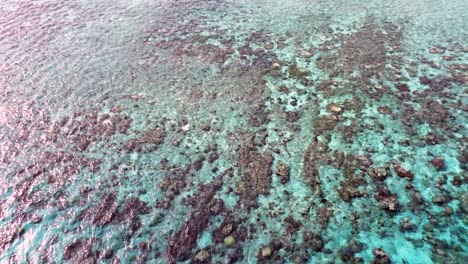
(233, 131)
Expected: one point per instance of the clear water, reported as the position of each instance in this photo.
(258, 131)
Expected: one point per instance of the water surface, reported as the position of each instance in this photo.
(233, 131)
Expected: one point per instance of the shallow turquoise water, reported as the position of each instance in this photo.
(259, 131)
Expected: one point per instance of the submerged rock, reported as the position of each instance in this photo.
(457, 181)
(325, 123)
(424, 80)
(202, 256)
(406, 225)
(292, 225)
(379, 174)
(313, 241)
(213, 157)
(436, 50)
(403, 173)
(334, 108)
(417, 198)
(283, 89)
(439, 199)
(307, 53)
(283, 171)
(229, 241)
(258, 116)
(464, 203)
(323, 215)
(387, 200)
(292, 116)
(402, 87)
(348, 253)
(438, 163)
(348, 192)
(216, 206)
(435, 113)
(198, 164)
(276, 66)
(380, 257)
(266, 252)
(363, 161)
(295, 72)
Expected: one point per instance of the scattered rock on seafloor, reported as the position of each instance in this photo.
(439, 199)
(259, 116)
(213, 157)
(292, 116)
(295, 72)
(117, 109)
(227, 229)
(436, 50)
(306, 53)
(363, 161)
(266, 252)
(387, 200)
(325, 122)
(435, 113)
(380, 257)
(283, 89)
(216, 206)
(283, 171)
(292, 225)
(403, 173)
(334, 108)
(417, 198)
(405, 224)
(464, 202)
(457, 181)
(229, 241)
(202, 256)
(198, 164)
(384, 110)
(181, 243)
(104, 212)
(313, 241)
(268, 46)
(402, 87)
(349, 191)
(378, 174)
(438, 163)
(424, 80)
(348, 253)
(324, 214)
